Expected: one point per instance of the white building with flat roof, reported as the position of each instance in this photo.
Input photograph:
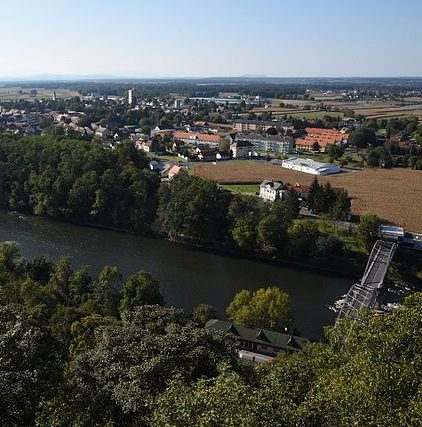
(310, 166)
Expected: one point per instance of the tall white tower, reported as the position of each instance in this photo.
(130, 96)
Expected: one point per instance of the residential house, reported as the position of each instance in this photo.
(173, 171)
(147, 146)
(102, 132)
(272, 190)
(156, 166)
(301, 190)
(162, 131)
(241, 149)
(206, 154)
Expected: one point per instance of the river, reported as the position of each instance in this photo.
(187, 276)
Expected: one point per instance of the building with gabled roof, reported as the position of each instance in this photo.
(322, 137)
(259, 341)
(173, 171)
(272, 190)
(197, 138)
(241, 149)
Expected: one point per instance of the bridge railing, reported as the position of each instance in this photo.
(365, 293)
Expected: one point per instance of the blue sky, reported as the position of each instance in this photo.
(156, 38)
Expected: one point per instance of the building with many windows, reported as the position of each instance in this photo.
(242, 149)
(272, 190)
(268, 143)
(243, 125)
(197, 138)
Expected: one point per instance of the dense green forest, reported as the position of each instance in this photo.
(82, 182)
(78, 350)
(79, 181)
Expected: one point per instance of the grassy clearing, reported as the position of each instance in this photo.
(242, 188)
(163, 158)
(323, 158)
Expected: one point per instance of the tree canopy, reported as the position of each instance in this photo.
(65, 361)
(362, 137)
(266, 308)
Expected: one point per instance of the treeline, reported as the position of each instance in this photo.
(154, 88)
(196, 210)
(78, 350)
(82, 182)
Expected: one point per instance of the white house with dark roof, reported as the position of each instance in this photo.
(242, 149)
(272, 190)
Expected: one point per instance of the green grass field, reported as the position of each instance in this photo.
(163, 158)
(242, 188)
(323, 158)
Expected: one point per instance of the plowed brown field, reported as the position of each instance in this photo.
(393, 194)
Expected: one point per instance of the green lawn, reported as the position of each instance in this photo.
(242, 188)
(323, 158)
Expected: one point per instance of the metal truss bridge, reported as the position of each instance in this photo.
(365, 293)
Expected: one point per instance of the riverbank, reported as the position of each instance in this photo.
(187, 275)
(341, 266)
(350, 268)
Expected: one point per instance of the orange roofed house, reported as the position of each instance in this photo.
(323, 137)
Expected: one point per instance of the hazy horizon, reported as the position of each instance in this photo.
(199, 39)
(52, 77)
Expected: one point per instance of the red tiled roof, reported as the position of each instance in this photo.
(174, 170)
(196, 136)
(326, 133)
(208, 138)
(324, 137)
(179, 134)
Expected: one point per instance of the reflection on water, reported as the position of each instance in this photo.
(187, 277)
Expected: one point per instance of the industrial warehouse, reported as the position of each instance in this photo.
(310, 166)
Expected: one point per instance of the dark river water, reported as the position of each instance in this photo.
(187, 276)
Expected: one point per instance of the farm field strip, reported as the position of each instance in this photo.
(10, 93)
(393, 194)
